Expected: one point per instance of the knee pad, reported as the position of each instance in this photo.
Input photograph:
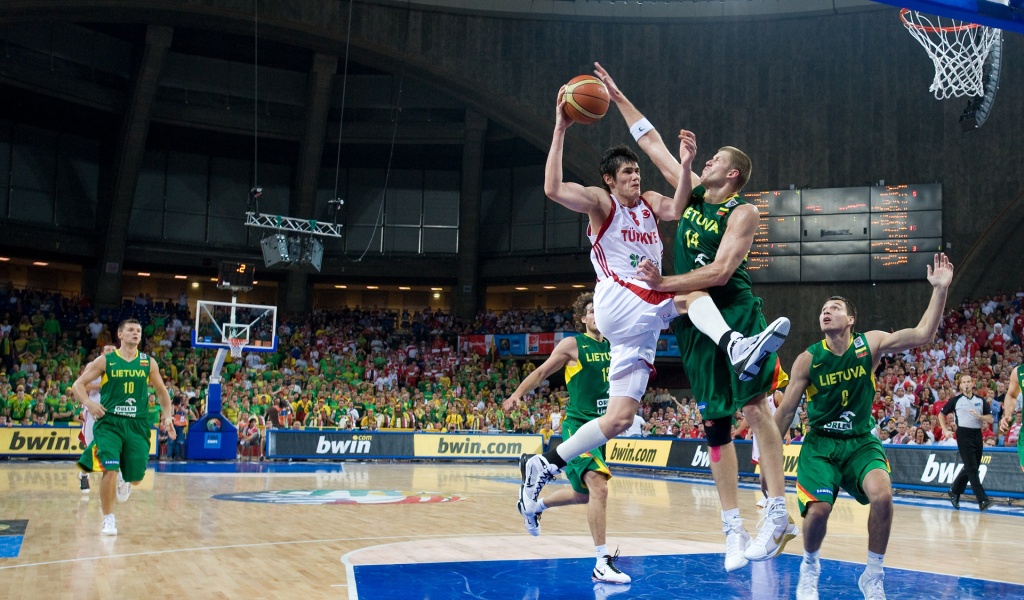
(718, 431)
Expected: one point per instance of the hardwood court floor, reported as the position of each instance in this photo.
(254, 541)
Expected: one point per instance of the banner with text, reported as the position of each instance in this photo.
(445, 445)
(525, 344)
(48, 441)
(284, 443)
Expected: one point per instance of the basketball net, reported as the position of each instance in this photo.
(958, 50)
(236, 346)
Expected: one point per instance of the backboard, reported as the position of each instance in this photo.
(1001, 14)
(217, 322)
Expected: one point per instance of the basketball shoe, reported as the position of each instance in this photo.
(872, 585)
(109, 525)
(736, 542)
(124, 489)
(747, 354)
(536, 472)
(807, 588)
(775, 531)
(605, 570)
(83, 482)
(530, 520)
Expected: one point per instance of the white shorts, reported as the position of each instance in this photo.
(87, 422)
(631, 317)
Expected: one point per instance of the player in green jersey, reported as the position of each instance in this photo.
(585, 358)
(837, 375)
(1009, 406)
(121, 433)
(713, 239)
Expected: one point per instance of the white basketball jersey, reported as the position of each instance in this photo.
(628, 236)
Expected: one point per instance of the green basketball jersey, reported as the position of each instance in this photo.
(698, 237)
(124, 390)
(841, 389)
(587, 380)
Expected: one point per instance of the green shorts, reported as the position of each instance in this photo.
(1020, 451)
(711, 375)
(577, 468)
(829, 463)
(118, 444)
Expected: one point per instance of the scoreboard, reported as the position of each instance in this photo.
(878, 233)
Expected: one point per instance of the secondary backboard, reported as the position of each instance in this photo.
(218, 322)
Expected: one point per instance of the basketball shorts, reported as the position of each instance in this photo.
(119, 444)
(631, 317)
(1020, 451)
(711, 375)
(827, 464)
(577, 468)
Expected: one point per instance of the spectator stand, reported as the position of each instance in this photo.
(226, 327)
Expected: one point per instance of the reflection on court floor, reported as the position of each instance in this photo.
(654, 577)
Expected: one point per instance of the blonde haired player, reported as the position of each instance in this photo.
(85, 435)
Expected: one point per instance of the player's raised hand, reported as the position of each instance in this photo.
(941, 275)
(649, 273)
(614, 93)
(511, 402)
(687, 148)
(562, 121)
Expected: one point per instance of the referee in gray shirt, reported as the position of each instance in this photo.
(970, 411)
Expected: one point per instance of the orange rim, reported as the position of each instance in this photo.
(930, 29)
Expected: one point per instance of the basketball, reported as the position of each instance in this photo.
(586, 99)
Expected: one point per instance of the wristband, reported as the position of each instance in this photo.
(640, 128)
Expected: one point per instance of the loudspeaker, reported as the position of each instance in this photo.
(275, 250)
(314, 254)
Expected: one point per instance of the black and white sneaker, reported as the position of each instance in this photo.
(83, 482)
(605, 570)
(536, 472)
(748, 354)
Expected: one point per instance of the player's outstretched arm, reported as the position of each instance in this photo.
(571, 195)
(564, 352)
(799, 379)
(644, 133)
(940, 276)
(671, 209)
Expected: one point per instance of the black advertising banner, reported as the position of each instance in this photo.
(935, 467)
(337, 445)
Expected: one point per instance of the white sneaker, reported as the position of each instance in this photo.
(747, 354)
(536, 472)
(124, 489)
(605, 570)
(872, 586)
(807, 588)
(530, 520)
(109, 525)
(776, 529)
(736, 542)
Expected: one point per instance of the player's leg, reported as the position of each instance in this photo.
(605, 569)
(105, 455)
(777, 527)
(577, 493)
(817, 483)
(85, 436)
(865, 476)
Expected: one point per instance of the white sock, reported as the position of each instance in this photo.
(585, 439)
(541, 506)
(811, 558)
(775, 501)
(708, 319)
(874, 562)
(83, 475)
(600, 552)
(729, 515)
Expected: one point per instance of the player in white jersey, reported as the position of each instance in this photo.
(85, 435)
(623, 230)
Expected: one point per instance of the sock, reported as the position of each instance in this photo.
(585, 439)
(775, 502)
(82, 475)
(874, 562)
(541, 506)
(729, 515)
(601, 551)
(811, 558)
(707, 318)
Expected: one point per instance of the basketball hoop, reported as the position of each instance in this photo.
(958, 50)
(236, 345)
